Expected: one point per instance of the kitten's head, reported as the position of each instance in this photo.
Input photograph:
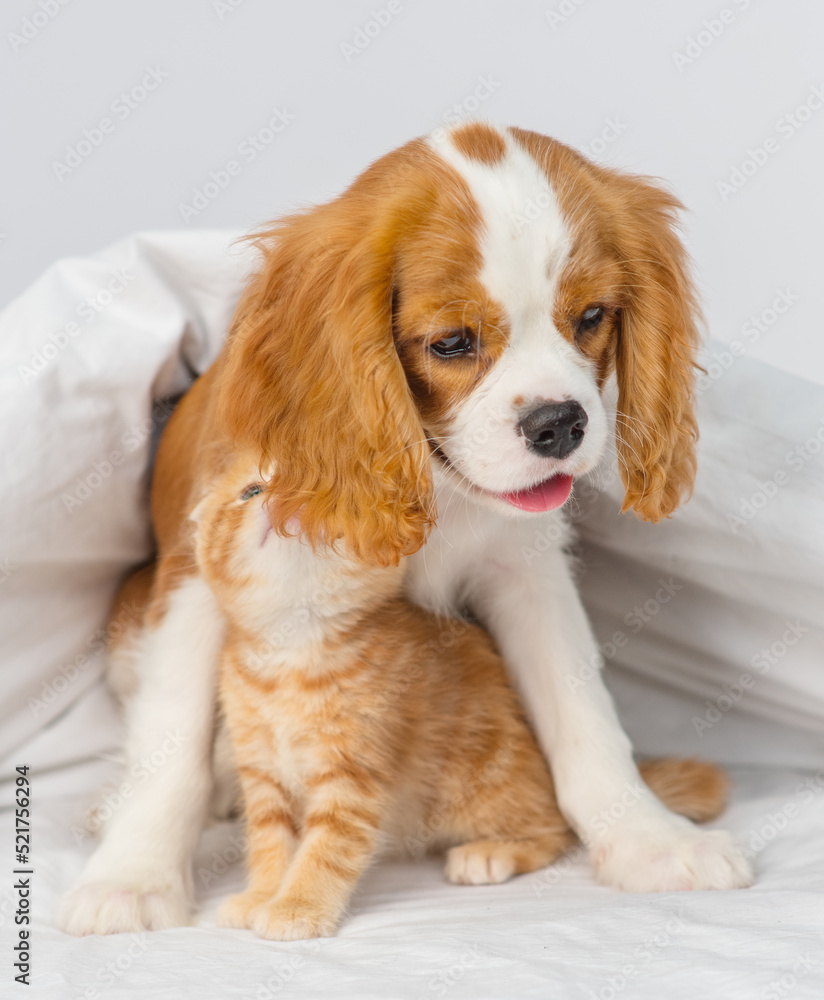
(253, 569)
(232, 527)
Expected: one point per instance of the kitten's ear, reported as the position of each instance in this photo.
(312, 380)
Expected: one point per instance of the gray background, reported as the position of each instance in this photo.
(685, 110)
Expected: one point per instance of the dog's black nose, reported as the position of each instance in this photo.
(554, 430)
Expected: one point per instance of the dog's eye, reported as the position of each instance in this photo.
(590, 318)
(454, 346)
(251, 491)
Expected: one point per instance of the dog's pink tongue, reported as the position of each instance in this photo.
(548, 495)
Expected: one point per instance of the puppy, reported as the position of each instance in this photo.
(428, 359)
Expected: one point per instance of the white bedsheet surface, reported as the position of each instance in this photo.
(411, 935)
(553, 934)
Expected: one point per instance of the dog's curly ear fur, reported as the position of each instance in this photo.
(656, 427)
(312, 380)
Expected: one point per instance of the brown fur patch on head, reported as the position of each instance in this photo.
(628, 258)
(479, 141)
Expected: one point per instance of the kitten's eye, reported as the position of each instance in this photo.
(590, 318)
(251, 491)
(457, 345)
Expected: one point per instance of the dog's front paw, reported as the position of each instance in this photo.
(108, 908)
(669, 859)
(285, 920)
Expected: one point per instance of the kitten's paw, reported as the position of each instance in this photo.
(107, 908)
(292, 921)
(679, 858)
(236, 911)
(484, 862)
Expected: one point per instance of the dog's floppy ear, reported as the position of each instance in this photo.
(312, 380)
(656, 427)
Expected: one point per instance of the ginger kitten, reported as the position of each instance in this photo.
(360, 722)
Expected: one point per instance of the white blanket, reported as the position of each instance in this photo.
(552, 934)
(711, 624)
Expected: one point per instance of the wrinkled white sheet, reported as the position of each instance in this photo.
(76, 432)
(553, 934)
